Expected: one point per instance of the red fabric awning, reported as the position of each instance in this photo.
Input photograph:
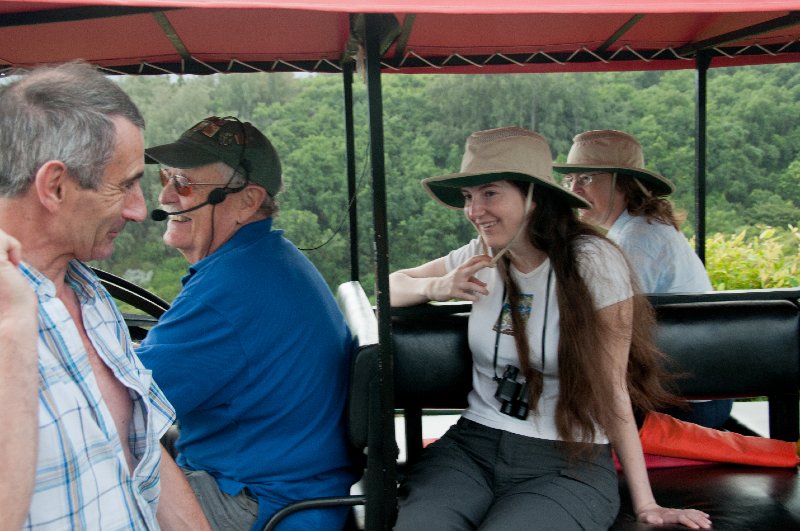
(438, 6)
(205, 36)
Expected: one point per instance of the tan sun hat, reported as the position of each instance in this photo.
(507, 153)
(614, 152)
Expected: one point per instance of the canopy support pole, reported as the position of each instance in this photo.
(350, 161)
(382, 517)
(703, 60)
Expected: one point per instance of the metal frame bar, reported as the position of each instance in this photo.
(381, 517)
(703, 61)
(350, 161)
(172, 35)
(619, 33)
(792, 19)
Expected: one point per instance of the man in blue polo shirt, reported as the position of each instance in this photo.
(254, 352)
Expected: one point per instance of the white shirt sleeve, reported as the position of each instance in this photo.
(605, 271)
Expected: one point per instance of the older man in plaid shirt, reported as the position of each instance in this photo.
(80, 417)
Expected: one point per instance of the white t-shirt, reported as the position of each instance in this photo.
(608, 279)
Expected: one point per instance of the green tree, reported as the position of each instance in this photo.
(753, 160)
(768, 259)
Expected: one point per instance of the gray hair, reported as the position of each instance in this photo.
(269, 206)
(62, 113)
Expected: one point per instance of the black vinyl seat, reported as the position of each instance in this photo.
(723, 349)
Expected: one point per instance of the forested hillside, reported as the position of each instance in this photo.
(753, 155)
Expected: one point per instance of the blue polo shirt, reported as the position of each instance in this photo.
(254, 355)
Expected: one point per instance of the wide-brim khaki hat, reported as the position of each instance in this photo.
(507, 153)
(613, 152)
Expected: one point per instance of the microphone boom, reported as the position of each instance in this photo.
(216, 197)
(161, 215)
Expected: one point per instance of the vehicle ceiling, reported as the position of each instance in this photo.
(454, 36)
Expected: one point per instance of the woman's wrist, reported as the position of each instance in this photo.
(639, 509)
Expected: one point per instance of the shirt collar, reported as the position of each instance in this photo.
(42, 286)
(623, 219)
(244, 236)
(78, 276)
(82, 280)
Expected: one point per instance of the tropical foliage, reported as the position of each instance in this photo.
(753, 156)
(763, 260)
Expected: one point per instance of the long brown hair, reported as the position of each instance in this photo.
(585, 393)
(652, 207)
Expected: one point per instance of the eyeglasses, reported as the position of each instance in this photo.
(582, 179)
(181, 183)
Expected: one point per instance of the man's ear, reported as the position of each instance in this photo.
(251, 199)
(51, 183)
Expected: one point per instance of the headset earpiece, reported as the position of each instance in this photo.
(217, 196)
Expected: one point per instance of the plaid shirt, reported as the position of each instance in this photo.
(82, 479)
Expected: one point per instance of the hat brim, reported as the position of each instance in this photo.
(658, 183)
(446, 189)
(180, 155)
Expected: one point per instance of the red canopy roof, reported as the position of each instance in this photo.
(206, 36)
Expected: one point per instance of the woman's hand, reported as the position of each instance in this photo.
(691, 518)
(460, 283)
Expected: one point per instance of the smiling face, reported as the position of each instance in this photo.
(199, 233)
(98, 216)
(496, 210)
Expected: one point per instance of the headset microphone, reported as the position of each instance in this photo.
(216, 197)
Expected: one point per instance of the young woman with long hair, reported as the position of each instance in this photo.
(561, 357)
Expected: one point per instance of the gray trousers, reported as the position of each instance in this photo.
(477, 477)
(223, 511)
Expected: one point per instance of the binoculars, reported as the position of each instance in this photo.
(513, 395)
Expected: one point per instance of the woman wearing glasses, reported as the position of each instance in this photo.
(606, 168)
(552, 300)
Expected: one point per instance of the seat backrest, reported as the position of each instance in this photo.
(363, 325)
(433, 363)
(366, 429)
(722, 349)
(731, 349)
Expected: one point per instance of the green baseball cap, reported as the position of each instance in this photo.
(238, 144)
